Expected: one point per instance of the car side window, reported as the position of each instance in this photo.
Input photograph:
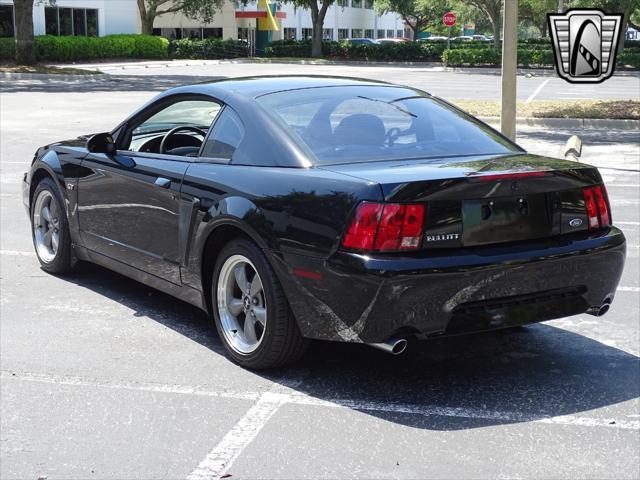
(227, 134)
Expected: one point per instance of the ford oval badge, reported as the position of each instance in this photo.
(576, 222)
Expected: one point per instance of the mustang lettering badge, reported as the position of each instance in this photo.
(585, 43)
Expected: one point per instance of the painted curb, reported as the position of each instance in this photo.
(54, 76)
(572, 123)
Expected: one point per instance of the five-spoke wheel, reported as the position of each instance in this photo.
(46, 226)
(250, 308)
(241, 304)
(50, 228)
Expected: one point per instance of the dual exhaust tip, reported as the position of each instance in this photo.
(394, 346)
(397, 346)
(601, 310)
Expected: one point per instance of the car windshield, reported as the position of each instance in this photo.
(350, 124)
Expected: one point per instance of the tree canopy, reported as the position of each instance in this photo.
(417, 14)
(201, 9)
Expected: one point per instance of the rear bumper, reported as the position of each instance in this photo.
(362, 298)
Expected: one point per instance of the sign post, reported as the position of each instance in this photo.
(449, 19)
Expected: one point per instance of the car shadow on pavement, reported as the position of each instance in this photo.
(113, 83)
(511, 376)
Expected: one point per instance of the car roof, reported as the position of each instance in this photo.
(253, 87)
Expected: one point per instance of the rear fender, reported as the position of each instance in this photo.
(234, 213)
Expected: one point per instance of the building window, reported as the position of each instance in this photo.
(211, 33)
(243, 33)
(307, 33)
(408, 33)
(327, 33)
(380, 34)
(65, 23)
(343, 33)
(368, 4)
(400, 33)
(80, 22)
(170, 33)
(92, 22)
(192, 33)
(6, 21)
(390, 34)
(289, 33)
(71, 21)
(356, 33)
(368, 33)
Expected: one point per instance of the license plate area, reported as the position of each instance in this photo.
(505, 219)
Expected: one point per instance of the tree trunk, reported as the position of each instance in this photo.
(496, 22)
(147, 24)
(316, 38)
(25, 52)
(416, 32)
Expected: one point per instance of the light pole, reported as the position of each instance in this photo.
(509, 69)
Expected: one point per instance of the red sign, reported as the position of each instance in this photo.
(449, 19)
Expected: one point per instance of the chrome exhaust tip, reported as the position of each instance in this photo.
(394, 346)
(601, 310)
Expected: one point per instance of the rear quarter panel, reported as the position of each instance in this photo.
(289, 212)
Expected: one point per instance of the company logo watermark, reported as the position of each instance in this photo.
(585, 43)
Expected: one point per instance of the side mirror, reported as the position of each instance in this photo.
(101, 143)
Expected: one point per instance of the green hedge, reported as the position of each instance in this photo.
(52, 48)
(72, 48)
(629, 59)
(7, 48)
(526, 57)
(405, 51)
(208, 48)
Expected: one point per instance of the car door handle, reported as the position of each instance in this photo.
(163, 182)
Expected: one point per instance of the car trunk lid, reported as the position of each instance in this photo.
(486, 200)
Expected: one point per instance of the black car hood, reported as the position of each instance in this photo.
(401, 171)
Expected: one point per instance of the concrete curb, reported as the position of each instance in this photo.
(572, 123)
(54, 76)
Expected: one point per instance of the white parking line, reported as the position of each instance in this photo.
(536, 91)
(16, 253)
(220, 459)
(269, 402)
(628, 289)
(627, 223)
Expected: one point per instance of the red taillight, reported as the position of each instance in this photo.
(385, 227)
(363, 228)
(603, 206)
(595, 201)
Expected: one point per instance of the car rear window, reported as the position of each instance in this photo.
(350, 124)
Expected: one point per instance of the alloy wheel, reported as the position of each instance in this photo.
(46, 226)
(241, 304)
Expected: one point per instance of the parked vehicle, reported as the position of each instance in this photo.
(462, 38)
(433, 38)
(392, 40)
(363, 41)
(296, 208)
(481, 38)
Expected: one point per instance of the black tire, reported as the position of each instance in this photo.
(63, 260)
(282, 343)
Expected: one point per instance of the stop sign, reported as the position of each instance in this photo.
(449, 19)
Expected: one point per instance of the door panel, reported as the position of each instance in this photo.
(129, 210)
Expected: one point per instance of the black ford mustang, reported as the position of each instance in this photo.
(293, 208)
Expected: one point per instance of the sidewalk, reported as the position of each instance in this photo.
(430, 66)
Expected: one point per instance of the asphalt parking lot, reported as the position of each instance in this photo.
(102, 377)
